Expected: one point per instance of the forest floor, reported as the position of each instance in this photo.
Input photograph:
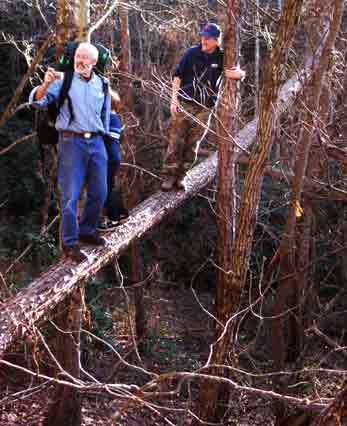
(179, 332)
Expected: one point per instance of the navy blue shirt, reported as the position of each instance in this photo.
(115, 127)
(112, 141)
(200, 75)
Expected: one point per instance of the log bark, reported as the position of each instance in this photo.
(34, 302)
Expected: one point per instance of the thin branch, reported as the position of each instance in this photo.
(7, 290)
(38, 58)
(18, 142)
(329, 341)
(102, 19)
(26, 250)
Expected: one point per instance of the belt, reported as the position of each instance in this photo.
(85, 135)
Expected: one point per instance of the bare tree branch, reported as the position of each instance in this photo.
(10, 107)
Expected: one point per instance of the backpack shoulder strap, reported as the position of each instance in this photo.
(105, 89)
(105, 84)
(64, 94)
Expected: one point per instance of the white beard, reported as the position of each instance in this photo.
(85, 70)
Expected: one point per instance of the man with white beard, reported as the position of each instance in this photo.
(82, 120)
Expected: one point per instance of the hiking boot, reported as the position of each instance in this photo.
(74, 253)
(180, 184)
(168, 183)
(116, 209)
(107, 225)
(123, 216)
(93, 239)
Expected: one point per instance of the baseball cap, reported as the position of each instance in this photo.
(210, 30)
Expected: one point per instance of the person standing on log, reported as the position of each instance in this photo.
(114, 212)
(195, 86)
(82, 121)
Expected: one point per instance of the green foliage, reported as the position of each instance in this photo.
(169, 352)
(45, 246)
(22, 191)
(185, 241)
(101, 315)
(160, 349)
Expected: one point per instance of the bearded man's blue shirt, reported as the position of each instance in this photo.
(87, 98)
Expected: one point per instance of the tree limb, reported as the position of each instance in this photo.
(10, 107)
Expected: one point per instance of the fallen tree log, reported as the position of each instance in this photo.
(33, 303)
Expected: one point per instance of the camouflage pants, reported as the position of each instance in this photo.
(188, 132)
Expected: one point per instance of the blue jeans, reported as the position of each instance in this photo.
(81, 161)
(113, 163)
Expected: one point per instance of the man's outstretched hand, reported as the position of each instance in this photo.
(51, 75)
(235, 73)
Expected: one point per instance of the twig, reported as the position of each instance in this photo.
(30, 245)
(10, 107)
(102, 19)
(17, 142)
(329, 341)
(4, 203)
(9, 293)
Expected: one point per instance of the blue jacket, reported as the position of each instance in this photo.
(115, 127)
(112, 139)
(200, 75)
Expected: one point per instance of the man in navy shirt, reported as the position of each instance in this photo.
(194, 92)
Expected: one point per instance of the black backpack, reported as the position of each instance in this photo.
(45, 119)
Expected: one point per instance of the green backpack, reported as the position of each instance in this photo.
(66, 60)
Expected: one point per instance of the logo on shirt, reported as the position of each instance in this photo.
(214, 65)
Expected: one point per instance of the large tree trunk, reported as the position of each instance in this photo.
(292, 283)
(65, 408)
(64, 27)
(342, 114)
(134, 196)
(257, 59)
(288, 278)
(226, 132)
(226, 198)
(81, 13)
(250, 198)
